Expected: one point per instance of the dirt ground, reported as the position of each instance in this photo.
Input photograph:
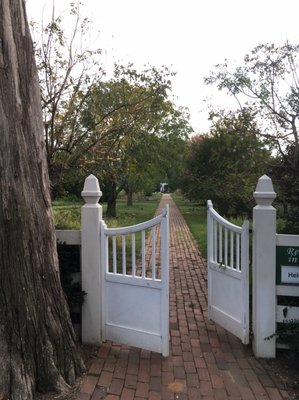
(285, 368)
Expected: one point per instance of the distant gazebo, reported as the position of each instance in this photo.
(164, 187)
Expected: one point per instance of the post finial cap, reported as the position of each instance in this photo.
(264, 193)
(91, 192)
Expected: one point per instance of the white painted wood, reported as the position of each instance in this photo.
(238, 253)
(68, 236)
(164, 255)
(292, 314)
(226, 247)
(143, 252)
(220, 243)
(133, 255)
(228, 275)
(287, 240)
(123, 245)
(135, 309)
(138, 227)
(232, 249)
(153, 252)
(91, 215)
(114, 252)
(104, 268)
(285, 290)
(264, 269)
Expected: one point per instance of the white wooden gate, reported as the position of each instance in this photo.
(228, 274)
(135, 302)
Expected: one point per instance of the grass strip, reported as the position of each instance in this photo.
(196, 218)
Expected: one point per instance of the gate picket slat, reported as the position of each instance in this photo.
(220, 244)
(114, 254)
(143, 253)
(123, 243)
(133, 256)
(232, 249)
(215, 241)
(226, 246)
(153, 253)
(238, 253)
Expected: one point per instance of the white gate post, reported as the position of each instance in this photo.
(91, 214)
(264, 259)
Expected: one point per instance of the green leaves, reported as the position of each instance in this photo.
(224, 166)
(268, 84)
(123, 127)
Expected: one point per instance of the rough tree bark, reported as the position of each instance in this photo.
(37, 341)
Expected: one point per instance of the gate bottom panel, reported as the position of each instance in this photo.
(226, 300)
(132, 337)
(227, 321)
(133, 315)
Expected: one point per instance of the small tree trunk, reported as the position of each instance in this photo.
(111, 199)
(37, 341)
(129, 198)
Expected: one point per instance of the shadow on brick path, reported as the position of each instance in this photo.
(205, 361)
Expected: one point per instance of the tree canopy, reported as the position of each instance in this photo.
(267, 84)
(225, 164)
(114, 126)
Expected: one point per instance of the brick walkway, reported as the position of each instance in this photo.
(205, 362)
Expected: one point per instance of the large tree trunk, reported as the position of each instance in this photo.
(37, 341)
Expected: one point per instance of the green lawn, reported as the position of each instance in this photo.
(67, 213)
(196, 218)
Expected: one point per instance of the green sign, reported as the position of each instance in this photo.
(287, 265)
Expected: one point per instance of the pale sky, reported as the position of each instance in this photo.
(190, 36)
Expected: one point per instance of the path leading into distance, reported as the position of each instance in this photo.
(205, 362)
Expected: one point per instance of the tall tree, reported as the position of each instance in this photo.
(68, 66)
(37, 342)
(224, 166)
(268, 84)
(127, 118)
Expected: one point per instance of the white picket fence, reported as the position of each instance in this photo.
(111, 283)
(127, 298)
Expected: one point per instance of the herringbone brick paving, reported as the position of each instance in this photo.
(205, 362)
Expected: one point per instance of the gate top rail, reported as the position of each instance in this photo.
(138, 227)
(221, 220)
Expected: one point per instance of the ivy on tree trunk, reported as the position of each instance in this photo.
(37, 342)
